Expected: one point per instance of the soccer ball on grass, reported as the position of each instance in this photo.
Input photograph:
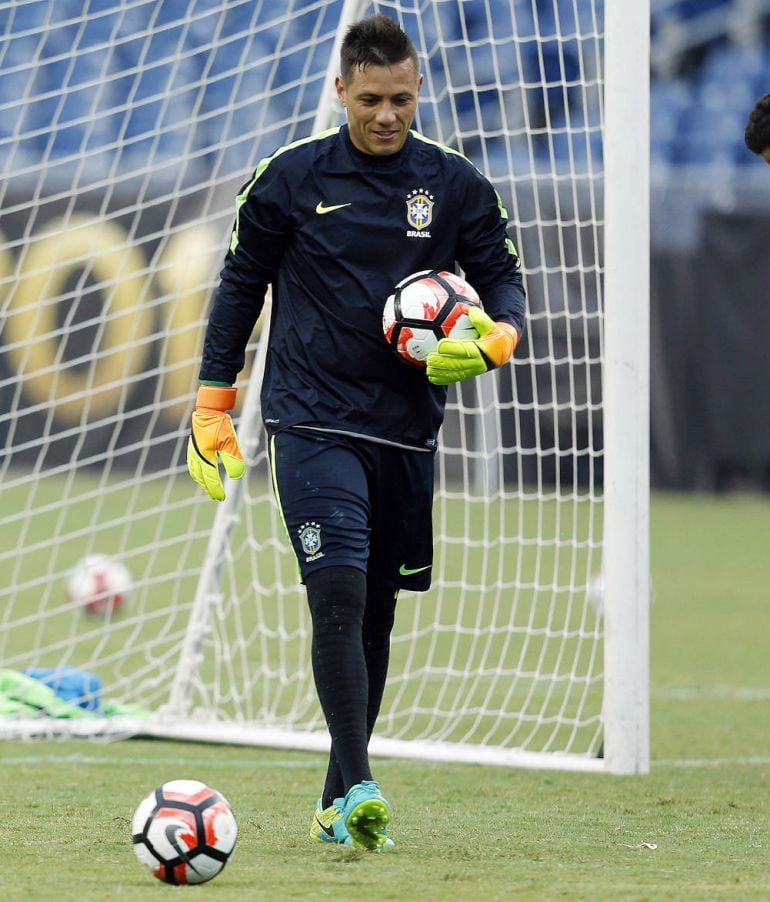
(99, 584)
(424, 308)
(184, 832)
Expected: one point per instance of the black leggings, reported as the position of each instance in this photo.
(352, 621)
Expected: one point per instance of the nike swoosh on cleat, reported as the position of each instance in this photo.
(321, 209)
(327, 830)
(408, 571)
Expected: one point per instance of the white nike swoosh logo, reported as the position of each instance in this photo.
(321, 209)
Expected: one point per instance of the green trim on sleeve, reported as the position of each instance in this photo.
(509, 245)
(241, 199)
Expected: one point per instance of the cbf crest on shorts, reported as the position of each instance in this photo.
(310, 539)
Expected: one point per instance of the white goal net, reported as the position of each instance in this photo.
(126, 129)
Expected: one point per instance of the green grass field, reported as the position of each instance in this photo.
(696, 827)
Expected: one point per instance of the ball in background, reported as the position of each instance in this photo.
(184, 832)
(99, 584)
(595, 594)
(424, 308)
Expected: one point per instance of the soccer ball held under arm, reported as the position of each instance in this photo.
(458, 359)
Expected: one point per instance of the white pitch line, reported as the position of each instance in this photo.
(750, 761)
(312, 760)
(181, 762)
(728, 693)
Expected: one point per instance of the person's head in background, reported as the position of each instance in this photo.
(757, 135)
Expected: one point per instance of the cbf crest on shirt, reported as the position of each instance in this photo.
(419, 212)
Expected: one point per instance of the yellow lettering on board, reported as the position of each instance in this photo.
(38, 321)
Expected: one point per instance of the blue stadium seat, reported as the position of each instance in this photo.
(576, 150)
(145, 36)
(574, 139)
(741, 68)
(162, 90)
(19, 18)
(448, 22)
(15, 120)
(567, 17)
(23, 92)
(97, 27)
(86, 114)
(237, 111)
(504, 157)
(685, 10)
(159, 127)
(710, 130)
(153, 78)
(225, 51)
(725, 88)
(243, 16)
(691, 9)
(291, 65)
(669, 99)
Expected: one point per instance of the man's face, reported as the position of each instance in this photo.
(766, 155)
(381, 102)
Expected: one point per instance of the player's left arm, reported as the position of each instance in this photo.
(491, 264)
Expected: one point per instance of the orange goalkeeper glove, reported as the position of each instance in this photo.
(213, 434)
(457, 359)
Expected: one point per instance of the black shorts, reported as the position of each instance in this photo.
(356, 503)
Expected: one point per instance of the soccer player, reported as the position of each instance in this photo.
(333, 222)
(757, 134)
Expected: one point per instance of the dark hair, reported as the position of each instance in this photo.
(757, 135)
(375, 41)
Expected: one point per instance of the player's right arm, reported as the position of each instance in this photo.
(257, 243)
(260, 233)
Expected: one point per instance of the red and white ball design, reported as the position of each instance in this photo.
(184, 832)
(424, 308)
(99, 584)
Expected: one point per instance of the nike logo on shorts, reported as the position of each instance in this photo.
(321, 209)
(408, 571)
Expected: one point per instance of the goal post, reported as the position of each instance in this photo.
(128, 131)
(626, 392)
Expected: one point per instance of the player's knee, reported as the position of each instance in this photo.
(336, 597)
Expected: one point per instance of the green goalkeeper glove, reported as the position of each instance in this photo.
(457, 359)
(213, 434)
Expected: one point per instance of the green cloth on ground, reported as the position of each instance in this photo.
(24, 696)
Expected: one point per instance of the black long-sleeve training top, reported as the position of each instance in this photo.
(334, 230)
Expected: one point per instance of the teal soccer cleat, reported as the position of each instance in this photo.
(366, 815)
(329, 825)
